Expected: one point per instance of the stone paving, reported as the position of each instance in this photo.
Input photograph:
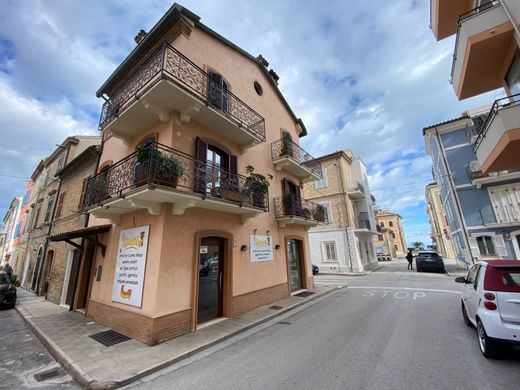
(66, 336)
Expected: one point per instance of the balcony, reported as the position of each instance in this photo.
(289, 156)
(156, 175)
(498, 143)
(291, 209)
(168, 81)
(484, 49)
(357, 192)
(444, 15)
(364, 225)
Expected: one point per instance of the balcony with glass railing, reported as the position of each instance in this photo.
(157, 175)
(363, 222)
(444, 15)
(289, 156)
(292, 209)
(501, 216)
(168, 81)
(484, 49)
(356, 191)
(498, 143)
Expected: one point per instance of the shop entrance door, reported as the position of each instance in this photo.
(294, 256)
(211, 278)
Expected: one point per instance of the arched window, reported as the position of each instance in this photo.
(216, 169)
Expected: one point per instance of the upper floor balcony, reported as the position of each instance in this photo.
(498, 143)
(291, 209)
(484, 49)
(168, 81)
(501, 216)
(157, 175)
(363, 223)
(444, 15)
(288, 155)
(356, 192)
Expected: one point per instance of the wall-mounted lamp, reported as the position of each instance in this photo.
(277, 246)
(267, 233)
(506, 235)
(254, 232)
(243, 248)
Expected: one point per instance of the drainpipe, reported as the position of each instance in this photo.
(457, 203)
(345, 197)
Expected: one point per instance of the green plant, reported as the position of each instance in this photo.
(256, 186)
(99, 186)
(170, 166)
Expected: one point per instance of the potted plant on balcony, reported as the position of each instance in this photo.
(144, 154)
(98, 188)
(256, 186)
(169, 170)
(165, 169)
(288, 204)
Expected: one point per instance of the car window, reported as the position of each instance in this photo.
(4, 278)
(472, 274)
(502, 279)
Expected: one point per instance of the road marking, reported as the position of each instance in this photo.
(406, 288)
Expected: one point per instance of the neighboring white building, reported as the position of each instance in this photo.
(11, 231)
(345, 244)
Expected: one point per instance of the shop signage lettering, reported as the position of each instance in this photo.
(261, 248)
(130, 266)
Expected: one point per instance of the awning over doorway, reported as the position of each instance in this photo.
(89, 233)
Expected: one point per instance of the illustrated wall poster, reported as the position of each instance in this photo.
(130, 266)
(261, 248)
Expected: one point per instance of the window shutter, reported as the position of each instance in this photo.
(201, 154)
(475, 252)
(233, 169)
(233, 164)
(298, 191)
(500, 245)
(60, 204)
(285, 186)
(83, 192)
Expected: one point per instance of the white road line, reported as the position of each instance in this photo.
(405, 288)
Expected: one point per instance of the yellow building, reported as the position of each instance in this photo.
(196, 210)
(440, 233)
(394, 223)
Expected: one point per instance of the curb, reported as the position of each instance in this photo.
(352, 273)
(87, 382)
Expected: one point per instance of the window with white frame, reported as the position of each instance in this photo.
(486, 246)
(322, 183)
(329, 251)
(506, 202)
(328, 210)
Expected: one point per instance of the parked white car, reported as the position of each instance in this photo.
(491, 303)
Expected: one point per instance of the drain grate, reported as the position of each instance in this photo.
(109, 337)
(44, 375)
(275, 307)
(303, 294)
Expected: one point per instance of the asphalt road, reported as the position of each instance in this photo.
(22, 356)
(392, 329)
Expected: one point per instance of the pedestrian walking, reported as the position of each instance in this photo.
(8, 270)
(409, 257)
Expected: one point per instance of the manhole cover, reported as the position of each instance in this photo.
(109, 337)
(275, 307)
(44, 375)
(303, 294)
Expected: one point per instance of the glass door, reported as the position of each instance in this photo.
(294, 259)
(211, 271)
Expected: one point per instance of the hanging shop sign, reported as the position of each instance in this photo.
(130, 266)
(261, 248)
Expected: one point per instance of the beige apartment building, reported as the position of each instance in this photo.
(196, 211)
(486, 57)
(67, 280)
(345, 244)
(384, 243)
(394, 223)
(440, 231)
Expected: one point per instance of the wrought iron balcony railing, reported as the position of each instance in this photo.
(168, 63)
(498, 105)
(285, 147)
(159, 165)
(462, 18)
(289, 205)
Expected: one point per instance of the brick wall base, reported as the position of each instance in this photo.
(249, 301)
(149, 330)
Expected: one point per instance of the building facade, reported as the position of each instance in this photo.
(440, 233)
(345, 244)
(12, 231)
(64, 255)
(482, 210)
(486, 57)
(195, 212)
(394, 223)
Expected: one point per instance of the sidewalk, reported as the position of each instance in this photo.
(453, 268)
(66, 335)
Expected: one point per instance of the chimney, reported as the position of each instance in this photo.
(140, 36)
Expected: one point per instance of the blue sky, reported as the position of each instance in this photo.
(366, 75)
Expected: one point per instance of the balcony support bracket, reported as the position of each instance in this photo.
(178, 208)
(186, 114)
(245, 147)
(162, 114)
(114, 218)
(152, 207)
(121, 135)
(246, 217)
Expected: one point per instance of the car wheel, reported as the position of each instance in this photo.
(488, 347)
(465, 315)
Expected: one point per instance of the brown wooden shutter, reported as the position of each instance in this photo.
(60, 204)
(285, 186)
(83, 191)
(201, 154)
(234, 184)
(298, 191)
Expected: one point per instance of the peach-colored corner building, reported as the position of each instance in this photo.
(394, 223)
(486, 57)
(181, 230)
